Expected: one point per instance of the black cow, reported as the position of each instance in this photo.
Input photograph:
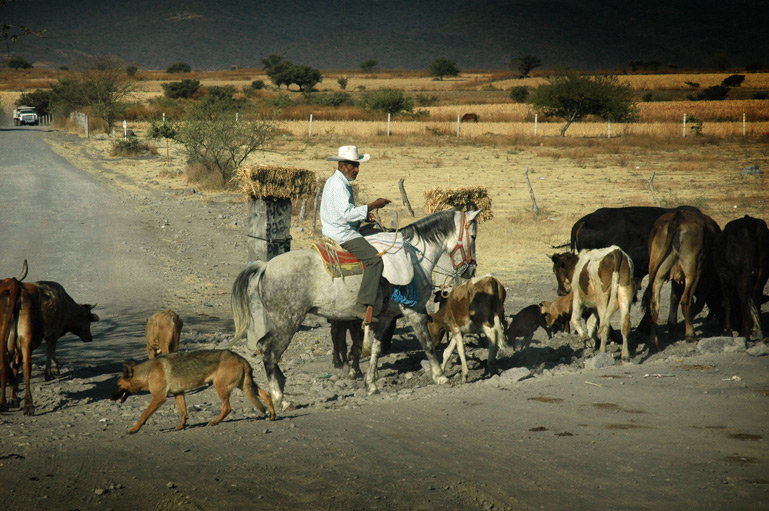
(742, 255)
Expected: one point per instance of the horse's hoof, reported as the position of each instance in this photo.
(690, 338)
(372, 391)
(441, 380)
(29, 410)
(285, 406)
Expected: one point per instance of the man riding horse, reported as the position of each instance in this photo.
(341, 220)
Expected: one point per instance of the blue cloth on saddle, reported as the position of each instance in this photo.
(407, 295)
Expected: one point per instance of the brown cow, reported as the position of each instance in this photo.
(476, 306)
(47, 312)
(524, 324)
(10, 294)
(601, 280)
(470, 117)
(742, 255)
(681, 249)
(164, 329)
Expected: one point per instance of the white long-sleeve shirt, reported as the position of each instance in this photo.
(339, 216)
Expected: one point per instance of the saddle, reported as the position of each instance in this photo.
(396, 256)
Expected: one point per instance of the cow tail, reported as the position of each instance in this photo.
(673, 228)
(240, 301)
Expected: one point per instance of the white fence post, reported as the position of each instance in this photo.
(608, 128)
(684, 125)
(388, 124)
(535, 125)
(743, 124)
(457, 124)
(125, 130)
(310, 125)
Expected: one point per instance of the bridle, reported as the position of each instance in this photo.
(465, 258)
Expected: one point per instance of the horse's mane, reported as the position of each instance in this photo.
(433, 228)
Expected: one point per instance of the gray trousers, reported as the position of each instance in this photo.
(363, 250)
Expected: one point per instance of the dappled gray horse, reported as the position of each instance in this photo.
(270, 300)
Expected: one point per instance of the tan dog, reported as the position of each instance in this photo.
(163, 332)
(180, 372)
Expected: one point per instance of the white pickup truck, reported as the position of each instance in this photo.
(25, 115)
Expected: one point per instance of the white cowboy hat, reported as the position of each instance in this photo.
(349, 153)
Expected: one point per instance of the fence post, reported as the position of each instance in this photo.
(743, 124)
(684, 125)
(457, 124)
(388, 124)
(535, 125)
(87, 134)
(164, 117)
(269, 228)
(310, 126)
(608, 128)
(125, 130)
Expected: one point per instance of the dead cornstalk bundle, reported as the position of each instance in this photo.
(467, 198)
(270, 182)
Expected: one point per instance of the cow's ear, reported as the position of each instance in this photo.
(94, 318)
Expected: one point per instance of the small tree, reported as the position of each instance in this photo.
(214, 139)
(342, 81)
(573, 97)
(387, 100)
(257, 85)
(280, 73)
(131, 71)
(714, 93)
(179, 67)
(443, 67)
(733, 81)
(524, 65)
(38, 99)
(368, 65)
(18, 63)
(162, 129)
(181, 89)
(272, 60)
(305, 77)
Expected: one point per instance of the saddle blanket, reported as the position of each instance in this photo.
(397, 257)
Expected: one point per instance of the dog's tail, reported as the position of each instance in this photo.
(253, 392)
(240, 300)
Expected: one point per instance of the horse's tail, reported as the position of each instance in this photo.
(240, 301)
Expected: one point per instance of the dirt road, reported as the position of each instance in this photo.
(676, 430)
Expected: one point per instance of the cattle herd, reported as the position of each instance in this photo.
(611, 250)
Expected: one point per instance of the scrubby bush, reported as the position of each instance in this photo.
(519, 94)
(443, 67)
(132, 146)
(131, 71)
(182, 89)
(334, 99)
(38, 99)
(257, 85)
(368, 65)
(387, 100)
(342, 81)
(18, 63)
(426, 99)
(713, 93)
(179, 67)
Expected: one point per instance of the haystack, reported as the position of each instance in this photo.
(270, 182)
(467, 198)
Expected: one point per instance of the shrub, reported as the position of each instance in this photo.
(342, 81)
(368, 65)
(257, 85)
(334, 99)
(387, 100)
(179, 67)
(131, 71)
(425, 99)
(760, 95)
(129, 147)
(714, 93)
(18, 63)
(695, 125)
(182, 89)
(519, 94)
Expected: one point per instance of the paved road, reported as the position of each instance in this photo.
(72, 230)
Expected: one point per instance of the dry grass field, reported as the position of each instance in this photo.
(570, 176)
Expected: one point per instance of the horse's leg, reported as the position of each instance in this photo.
(418, 323)
(275, 379)
(339, 343)
(372, 374)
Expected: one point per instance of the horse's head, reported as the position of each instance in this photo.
(461, 245)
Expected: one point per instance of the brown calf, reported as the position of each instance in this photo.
(600, 280)
(47, 312)
(476, 306)
(10, 295)
(557, 313)
(681, 247)
(164, 329)
(524, 324)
